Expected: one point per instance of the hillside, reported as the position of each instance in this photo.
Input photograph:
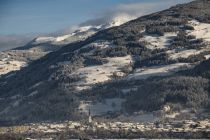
(15, 59)
(142, 65)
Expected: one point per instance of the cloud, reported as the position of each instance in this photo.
(12, 41)
(142, 8)
(63, 31)
(124, 13)
(132, 11)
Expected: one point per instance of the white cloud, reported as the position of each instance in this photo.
(132, 10)
(146, 7)
(12, 41)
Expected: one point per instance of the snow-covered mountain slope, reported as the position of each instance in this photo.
(201, 30)
(8, 66)
(102, 73)
(80, 34)
(123, 62)
(41, 46)
(84, 31)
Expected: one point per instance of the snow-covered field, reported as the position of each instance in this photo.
(109, 105)
(144, 73)
(101, 73)
(44, 39)
(202, 30)
(8, 66)
(158, 42)
(207, 56)
(99, 44)
(184, 54)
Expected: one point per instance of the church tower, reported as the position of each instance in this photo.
(89, 117)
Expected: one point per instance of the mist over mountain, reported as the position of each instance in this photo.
(12, 41)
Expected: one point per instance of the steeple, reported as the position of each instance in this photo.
(89, 117)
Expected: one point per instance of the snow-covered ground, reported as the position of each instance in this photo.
(144, 73)
(120, 19)
(202, 30)
(44, 39)
(158, 42)
(101, 73)
(36, 51)
(207, 56)
(8, 66)
(100, 44)
(184, 54)
(33, 93)
(109, 105)
(61, 38)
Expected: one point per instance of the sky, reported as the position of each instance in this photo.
(23, 20)
(19, 17)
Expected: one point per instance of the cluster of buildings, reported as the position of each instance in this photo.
(47, 128)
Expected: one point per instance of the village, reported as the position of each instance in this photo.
(98, 129)
(169, 124)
